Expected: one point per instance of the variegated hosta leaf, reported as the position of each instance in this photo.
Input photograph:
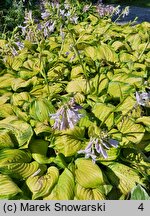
(17, 163)
(88, 174)
(41, 186)
(38, 150)
(130, 130)
(82, 193)
(22, 130)
(40, 110)
(5, 139)
(8, 189)
(69, 141)
(121, 176)
(64, 189)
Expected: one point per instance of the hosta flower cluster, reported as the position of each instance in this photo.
(74, 105)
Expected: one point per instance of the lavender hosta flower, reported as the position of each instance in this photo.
(143, 98)
(68, 14)
(51, 27)
(45, 15)
(20, 45)
(28, 18)
(23, 29)
(105, 10)
(14, 51)
(67, 116)
(62, 12)
(45, 32)
(66, 6)
(74, 19)
(97, 146)
(117, 10)
(125, 12)
(86, 8)
(89, 152)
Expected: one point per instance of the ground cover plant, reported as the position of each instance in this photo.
(75, 105)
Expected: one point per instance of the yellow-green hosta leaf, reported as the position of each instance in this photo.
(82, 193)
(126, 57)
(21, 170)
(17, 163)
(127, 105)
(38, 150)
(8, 189)
(118, 89)
(6, 110)
(41, 186)
(133, 155)
(42, 128)
(27, 74)
(18, 99)
(122, 177)
(64, 189)
(22, 130)
(88, 174)
(104, 52)
(5, 97)
(137, 159)
(128, 78)
(91, 52)
(104, 112)
(69, 141)
(79, 98)
(14, 155)
(19, 83)
(6, 81)
(40, 109)
(20, 114)
(117, 45)
(78, 85)
(144, 120)
(130, 130)
(76, 72)
(3, 43)
(112, 153)
(5, 139)
(17, 63)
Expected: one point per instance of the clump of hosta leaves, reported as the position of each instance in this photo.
(74, 108)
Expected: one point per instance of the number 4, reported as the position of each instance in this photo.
(141, 207)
